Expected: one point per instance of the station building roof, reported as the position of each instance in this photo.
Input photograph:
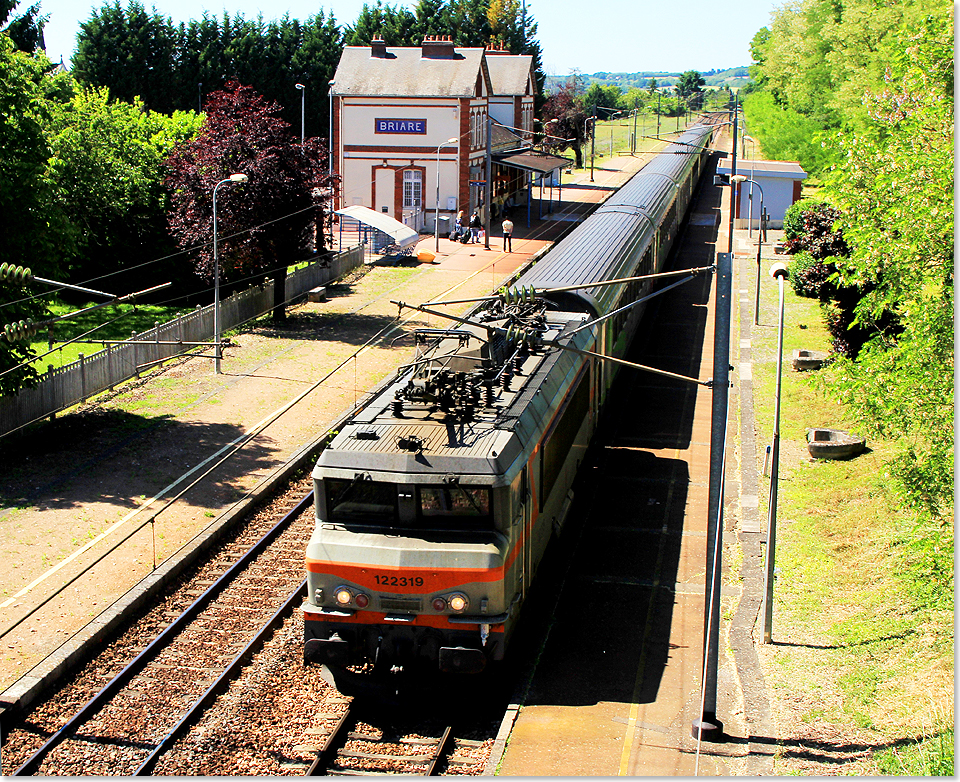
(768, 169)
(435, 69)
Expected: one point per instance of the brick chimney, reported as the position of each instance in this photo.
(378, 48)
(438, 47)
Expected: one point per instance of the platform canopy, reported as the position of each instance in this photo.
(402, 235)
(532, 160)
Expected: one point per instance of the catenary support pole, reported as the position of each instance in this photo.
(707, 727)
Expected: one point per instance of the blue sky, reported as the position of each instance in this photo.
(621, 35)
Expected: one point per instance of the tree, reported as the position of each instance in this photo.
(275, 216)
(690, 88)
(895, 190)
(31, 226)
(395, 25)
(112, 152)
(25, 30)
(572, 128)
(602, 96)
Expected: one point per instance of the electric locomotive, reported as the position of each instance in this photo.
(436, 501)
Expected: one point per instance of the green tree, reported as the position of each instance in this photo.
(602, 96)
(25, 30)
(394, 24)
(690, 88)
(106, 164)
(30, 226)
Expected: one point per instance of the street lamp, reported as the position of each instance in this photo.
(239, 179)
(436, 223)
(303, 109)
(779, 272)
(742, 178)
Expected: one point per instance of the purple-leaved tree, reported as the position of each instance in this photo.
(272, 221)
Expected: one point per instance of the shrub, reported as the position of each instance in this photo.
(809, 276)
(813, 226)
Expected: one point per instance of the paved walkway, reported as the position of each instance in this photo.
(75, 488)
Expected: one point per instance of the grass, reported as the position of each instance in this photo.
(111, 323)
(613, 136)
(857, 661)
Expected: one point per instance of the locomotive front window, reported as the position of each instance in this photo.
(369, 502)
(464, 506)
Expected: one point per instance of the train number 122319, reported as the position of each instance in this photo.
(400, 581)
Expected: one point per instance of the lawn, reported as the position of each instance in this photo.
(855, 662)
(113, 322)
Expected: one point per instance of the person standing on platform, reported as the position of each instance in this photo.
(507, 234)
(475, 226)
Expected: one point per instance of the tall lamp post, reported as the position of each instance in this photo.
(238, 179)
(436, 222)
(303, 110)
(779, 272)
(756, 304)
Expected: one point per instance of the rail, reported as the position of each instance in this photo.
(163, 641)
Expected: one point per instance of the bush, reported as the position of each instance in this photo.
(814, 230)
(793, 217)
(809, 276)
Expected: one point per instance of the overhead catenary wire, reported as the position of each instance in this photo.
(231, 450)
(185, 251)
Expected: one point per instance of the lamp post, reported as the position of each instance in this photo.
(779, 272)
(436, 222)
(237, 178)
(756, 307)
(330, 85)
(303, 110)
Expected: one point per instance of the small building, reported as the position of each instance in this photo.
(409, 129)
(780, 182)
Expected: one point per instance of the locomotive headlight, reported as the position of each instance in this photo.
(361, 600)
(343, 596)
(439, 604)
(458, 602)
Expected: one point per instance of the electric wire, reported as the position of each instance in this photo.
(184, 251)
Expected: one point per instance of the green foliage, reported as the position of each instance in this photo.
(690, 87)
(808, 275)
(25, 30)
(786, 134)
(171, 67)
(601, 97)
(30, 227)
(929, 756)
(867, 89)
(112, 152)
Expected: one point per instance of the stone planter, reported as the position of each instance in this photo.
(834, 444)
(808, 359)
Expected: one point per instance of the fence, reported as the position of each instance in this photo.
(61, 388)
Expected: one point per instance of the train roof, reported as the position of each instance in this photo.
(426, 446)
(588, 253)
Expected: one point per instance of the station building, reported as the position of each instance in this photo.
(780, 183)
(409, 130)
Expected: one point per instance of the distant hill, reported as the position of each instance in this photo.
(731, 77)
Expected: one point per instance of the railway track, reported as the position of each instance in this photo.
(136, 716)
(356, 747)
